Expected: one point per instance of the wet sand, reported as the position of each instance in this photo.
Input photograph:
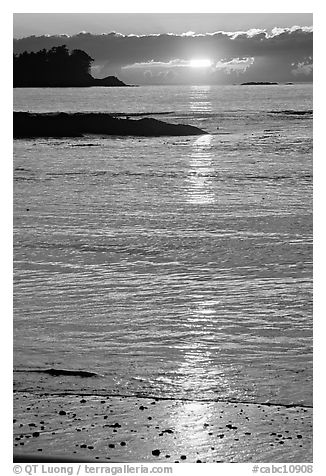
(136, 429)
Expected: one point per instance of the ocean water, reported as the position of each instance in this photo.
(171, 267)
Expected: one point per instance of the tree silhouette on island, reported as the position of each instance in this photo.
(57, 68)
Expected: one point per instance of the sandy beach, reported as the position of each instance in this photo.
(132, 429)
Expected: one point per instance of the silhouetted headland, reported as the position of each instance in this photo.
(61, 124)
(57, 68)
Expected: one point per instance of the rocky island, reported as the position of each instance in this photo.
(63, 124)
(57, 67)
(258, 83)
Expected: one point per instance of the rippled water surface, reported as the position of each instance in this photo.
(169, 266)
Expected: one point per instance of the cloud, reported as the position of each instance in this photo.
(177, 63)
(239, 65)
(188, 33)
(303, 68)
(277, 31)
(281, 55)
(232, 65)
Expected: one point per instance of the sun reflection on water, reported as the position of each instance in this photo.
(196, 369)
(189, 421)
(199, 184)
(193, 420)
(200, 99)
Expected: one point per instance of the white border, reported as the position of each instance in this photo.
(168, 6)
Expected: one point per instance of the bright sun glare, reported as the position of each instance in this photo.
(200, 63)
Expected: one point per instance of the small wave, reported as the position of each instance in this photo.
(60, 174)
(292, 112)
(58, 372)
(84, 145)
(158, 398)
(140, 114)
(24, 179)
(75, 174)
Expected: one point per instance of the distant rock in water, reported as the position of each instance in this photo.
(258, 83)
(62, 124)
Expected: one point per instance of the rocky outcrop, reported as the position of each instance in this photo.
(258, 83)
(62, 124)
(108, 81)
(85, 82)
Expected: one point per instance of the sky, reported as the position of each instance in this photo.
(26, 24)
(179, 48)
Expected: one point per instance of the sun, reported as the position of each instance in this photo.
(200, 63)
